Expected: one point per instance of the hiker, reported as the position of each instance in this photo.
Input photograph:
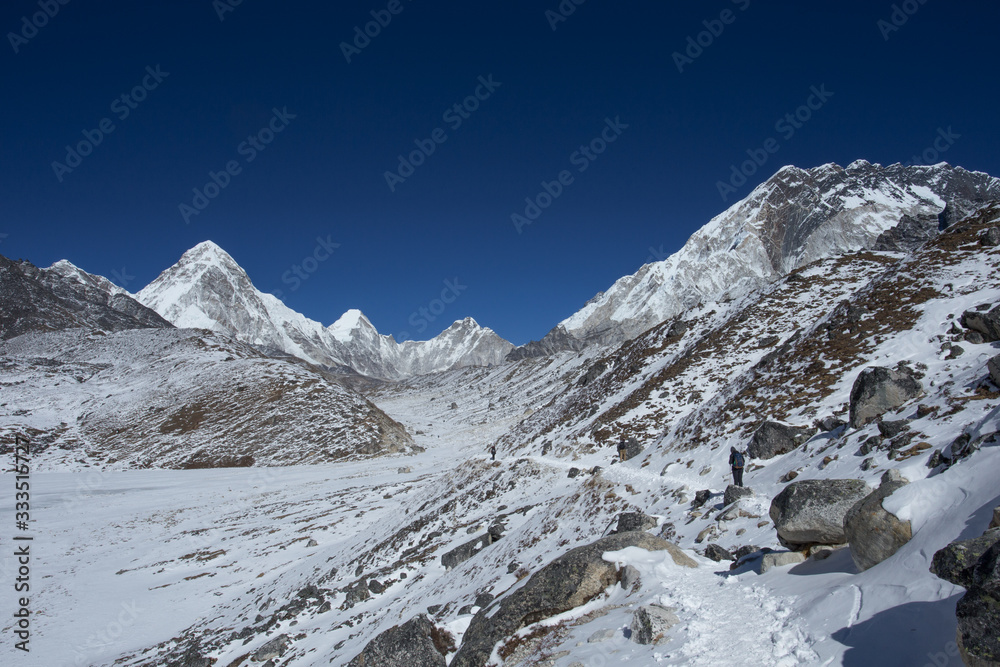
(493, 452)
(622, 450)
(736, 461)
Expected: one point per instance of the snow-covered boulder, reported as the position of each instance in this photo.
(404, 645)
(812, 511)
(985, 323)
(873, 532)
(773, 439)
(878, 390)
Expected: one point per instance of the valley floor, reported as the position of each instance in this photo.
(124, 562)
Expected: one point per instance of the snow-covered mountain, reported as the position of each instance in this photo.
(207, 289)
(794, 218)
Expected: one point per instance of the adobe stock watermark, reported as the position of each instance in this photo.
(300, 272)
(223, 7)
(697, 44)
(562, 13)
(248, 149)
(121, 278)
(122, 107)
(101, 642)
(944, 140)
(372, 29)
(899, 16)
(786, 127)
(31, 25)
(581, 158)
(422, 317)
(454, 116)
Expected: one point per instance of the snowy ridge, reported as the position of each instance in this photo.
(207, 289)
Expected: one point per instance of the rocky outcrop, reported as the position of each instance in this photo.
(990, 238)
(628, 521)
(996, 518)
(718, 553)
(874, 533)
(569, 581)
(650, 623)
(464, 552)
(878, 390)
(975, 565)
(812, 511)
(773, 439)
(986, 323)
(734, 493)
(409, 645)
(272, 649)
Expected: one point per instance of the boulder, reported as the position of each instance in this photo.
(462, 553)
(773, 439)
(734, 493)
(573, 473)
(873, 532)
(404, 645)
(994, 368)
(272, 649)
(717, 553)
(987, 324)
(356, 592)
(779, 559)
(890, 429)
(700, 498)
(995, 523)
(830, 423)
(635, 521)
(812, 511)
(878, 390)
(593, 373)
(630, 577)
(957, 561)
(650, 622)
(569, 581)
(990, 238)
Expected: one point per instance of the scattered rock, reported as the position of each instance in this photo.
(957, 561)
(453, 406)
(700, 498)
(717, 553)
(974, 337)
(830, 423)
(789, 476)
(462, 553)
(416, 642)
(890, 429)
(812, 511)
(651, 622)
(926, 410)
(272, 649)
(873, 532)
(635, 521)
(745, 551)
(311, 543)
(569, 581)
(573, 473)
(513, 567)
(705, 471)
(734, 493)
(955, 351)
(376, 587)
(356, 592)
(824, 551)
(878, 390)
(986, 324)
(868, 464)
(996, 518)
(629, 577)
(779, 559)
(405, 470)
(994, 367)
(990, 238)
(594, 372)
(773, 439)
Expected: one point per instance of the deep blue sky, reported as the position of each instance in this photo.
(117, 214)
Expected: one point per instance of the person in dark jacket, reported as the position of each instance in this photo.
(736, 460)
(493, 452)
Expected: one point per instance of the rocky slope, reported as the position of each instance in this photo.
(795, 218)
(208, 289)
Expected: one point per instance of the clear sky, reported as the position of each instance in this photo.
(265, 88)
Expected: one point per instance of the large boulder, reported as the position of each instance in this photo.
(812, 511)
(985, 323)
(406, 645)
(873, 532)
(773, 439)
(994, 367)
(878, 390)
(569, 581)
(975, 565)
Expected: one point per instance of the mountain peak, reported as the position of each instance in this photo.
(352, 320)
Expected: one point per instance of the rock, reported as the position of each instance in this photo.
(651, 622)
(955, 352)
(602, 635)
(993, 365)
(596, 470)
(453, 406)
(192, 658)
(812, 511)
(513, 567)
(717, 553)
(465, 610)
(569, 581)
(987, 324)
(974, 337)
(706, 532)
(990, 238)
(734, 493)
(700, 498)
(629, 577)
(705, 471)
(593, 373)
(356, 592)
(632, 448)
(890, 429)
(635, 521)
(311, 543)
(874, 533)
(925, 410)
(272, 649)
(745, 551)
(789, 476)
(867, 464)
(830, 423)
(824, 551)
(773, 439)
(957, 561)
(573, 473)
(462, 553)
(434, 609)
(483, 599)
(996, 518)
(779, 559)
(407, 645)
(878, 390)
(310, 591)
(376, 587)
(405, 470)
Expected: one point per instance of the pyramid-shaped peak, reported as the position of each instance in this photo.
(350, 321)
(207, 250)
